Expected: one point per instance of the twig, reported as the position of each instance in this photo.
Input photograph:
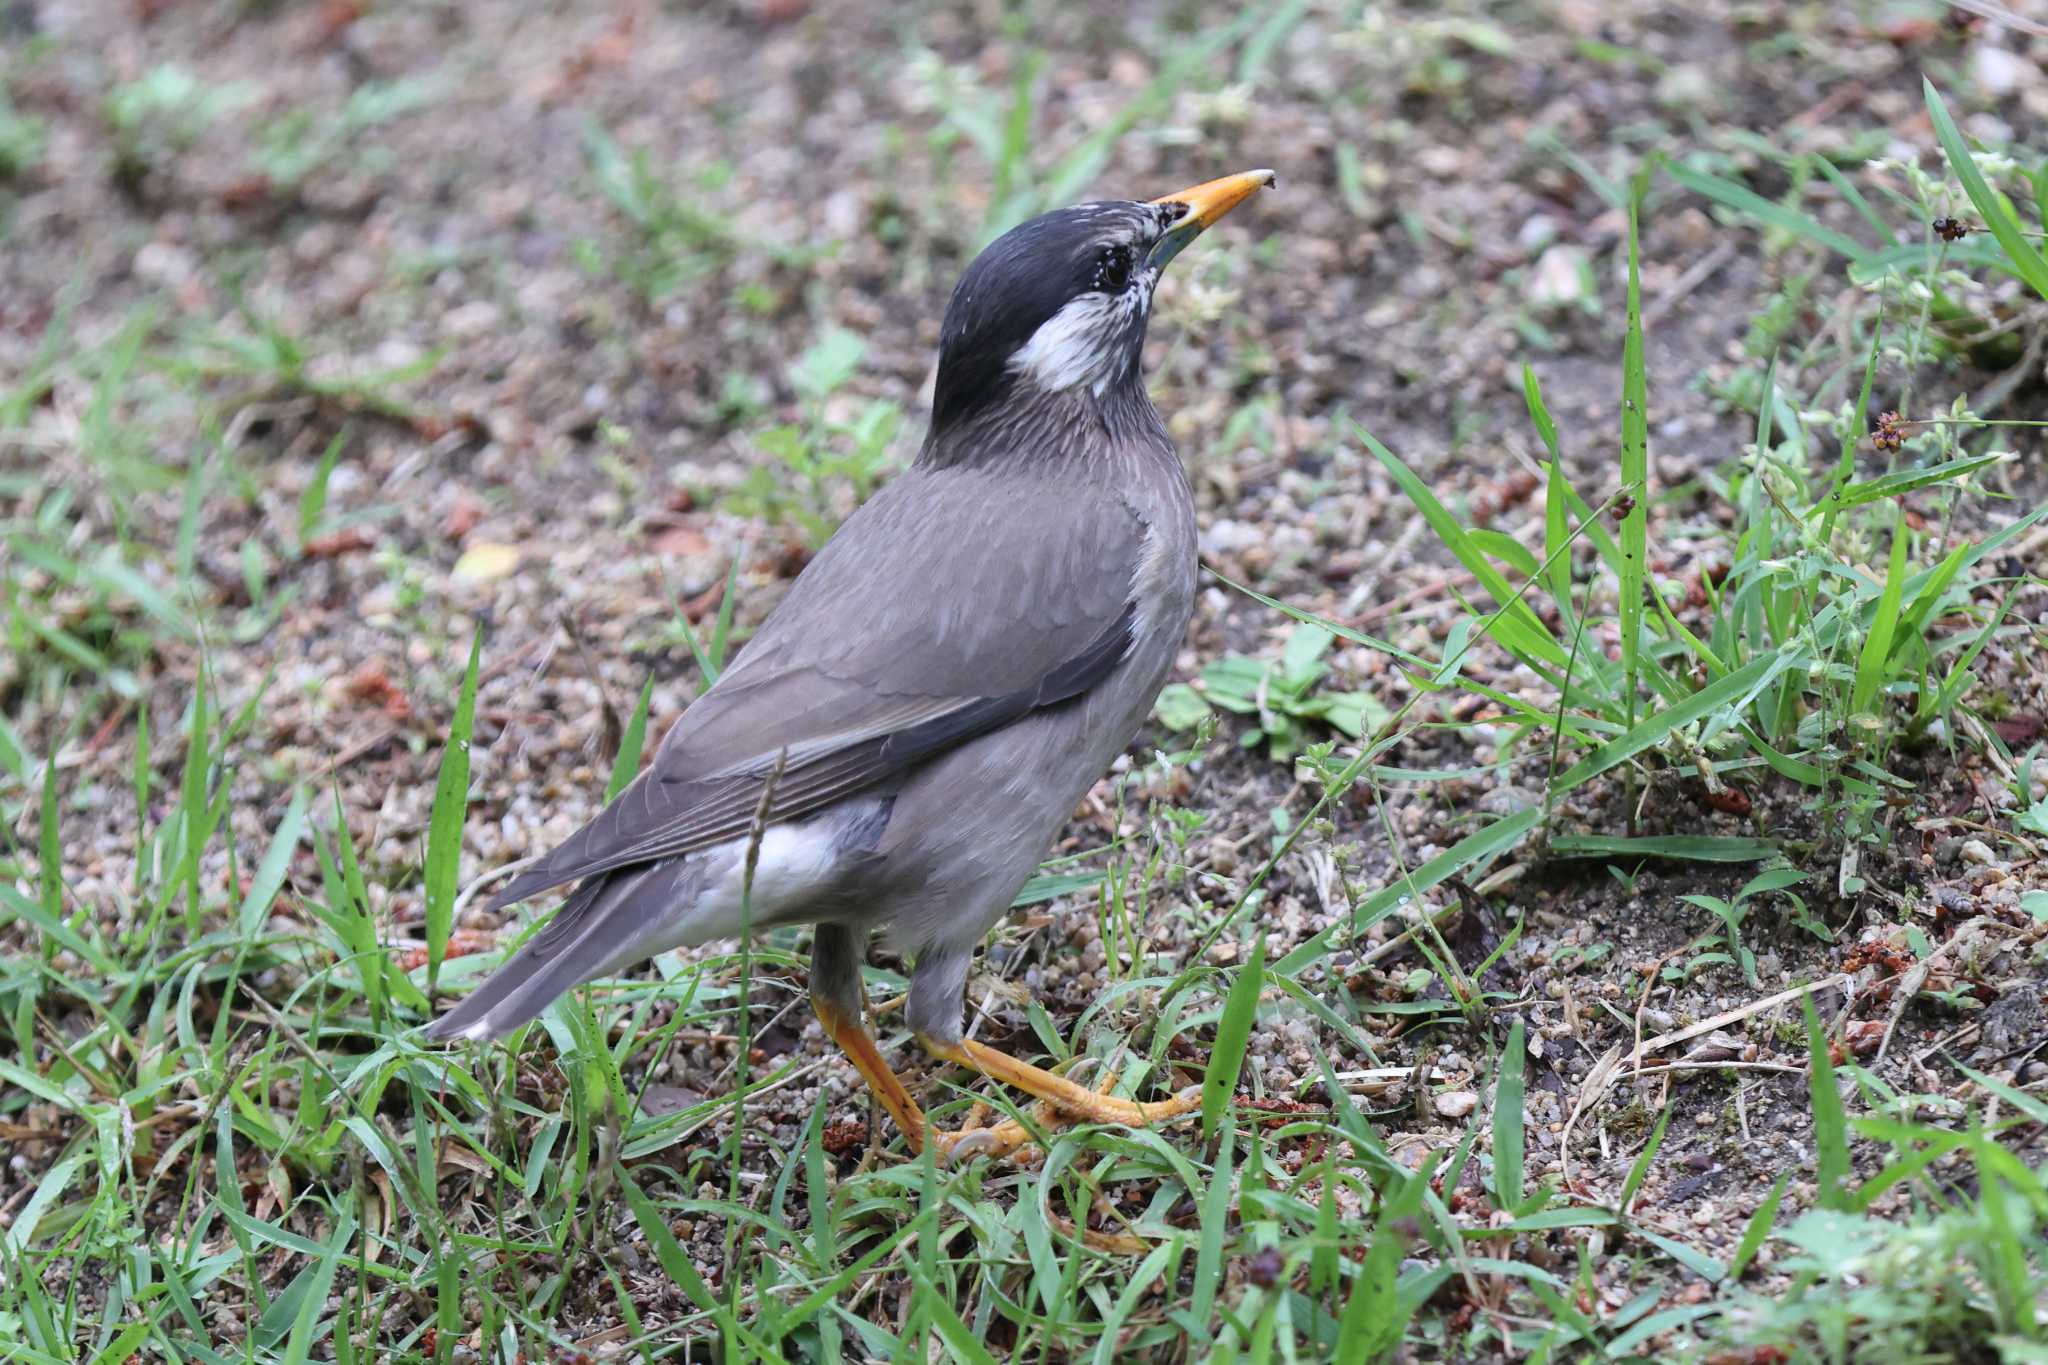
(482, 879)
(1736, 1015)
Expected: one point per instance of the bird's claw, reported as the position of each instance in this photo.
(1008, 1139)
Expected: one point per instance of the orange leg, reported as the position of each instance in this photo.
(1064, 1096)
(853, 1039)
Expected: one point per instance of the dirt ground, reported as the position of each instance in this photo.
(548, 418)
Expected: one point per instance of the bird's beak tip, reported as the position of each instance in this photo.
(1203, 205)
(1212, 199)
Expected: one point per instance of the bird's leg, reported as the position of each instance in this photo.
(1067, 1098)
(839, 1000)
(853, 1039)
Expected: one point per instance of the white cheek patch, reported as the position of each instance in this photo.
(1083, 343)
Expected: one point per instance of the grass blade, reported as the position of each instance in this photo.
(1374, 1319)
(1653, 730)
(1507, 1123)
(1215, 1222)
(122, 1348)
(50, 848)
(1640, 1171)
(1699, 848)
(626, 766)
(1635, 468)
(667, 1250)
(1759, 1228)
(1906, 480)
(1830, 1123)
(1556, 527)
(1517, 626)
(1991, 205)
(1233, 1031)
(1877, 641)
(1728, 194)
(298, 1348)
(313, 502)
(276, 865)
(1470, 851)
(444, 825)
(13, 756)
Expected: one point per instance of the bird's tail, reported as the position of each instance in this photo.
(584, 940)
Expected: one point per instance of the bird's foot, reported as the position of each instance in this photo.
(977, 1137)
(1061, 1100)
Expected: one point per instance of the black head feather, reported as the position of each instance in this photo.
(1023, 279)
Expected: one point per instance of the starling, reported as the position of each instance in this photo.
(908, 731)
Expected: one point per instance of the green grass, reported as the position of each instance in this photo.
(241, 1154)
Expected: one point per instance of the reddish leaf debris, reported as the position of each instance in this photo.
(1860, 1038)
(2018, 731)
(348, 540)
(372, 684)
(841, 1138)
(1280, 1108)
(1728, 800)
(461, 943)
(463, 517)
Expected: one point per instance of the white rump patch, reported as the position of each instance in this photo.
(797, 861)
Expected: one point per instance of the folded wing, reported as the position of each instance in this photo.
(952, 603)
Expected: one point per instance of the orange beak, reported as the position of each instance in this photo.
(1205, 204)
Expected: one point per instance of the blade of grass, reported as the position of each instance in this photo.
(1507, 1122)
(1830, 1123)
(1848, 191)
(1556, 527)
(1516, 626)
(1990, 205)
(50, 848)
(1877, 641)
(1906, 480)
(122, 1348)
(626, 766)
(1233, 1030)
(1635, 475)
(1660, 724)
(276, 865)
(13, 757)
(1743, 200)
(298, 1348)
(1700, 848)
(1374, 1316)
(1759, 1228)
(444, 824)
(1640, 1171)
(1468, 852)
(669, 1252)
(313, 502)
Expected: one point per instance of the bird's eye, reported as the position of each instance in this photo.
(1112, 269)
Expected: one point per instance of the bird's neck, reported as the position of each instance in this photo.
(1050, 428)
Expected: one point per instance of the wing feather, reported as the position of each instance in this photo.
(895, 644)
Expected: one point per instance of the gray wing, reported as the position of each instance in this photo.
(953, 602)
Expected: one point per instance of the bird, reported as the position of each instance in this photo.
(897, 746)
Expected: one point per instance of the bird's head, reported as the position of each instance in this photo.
(1060, 302)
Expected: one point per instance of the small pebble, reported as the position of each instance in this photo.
(1559, 277)
(1455, 1104)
